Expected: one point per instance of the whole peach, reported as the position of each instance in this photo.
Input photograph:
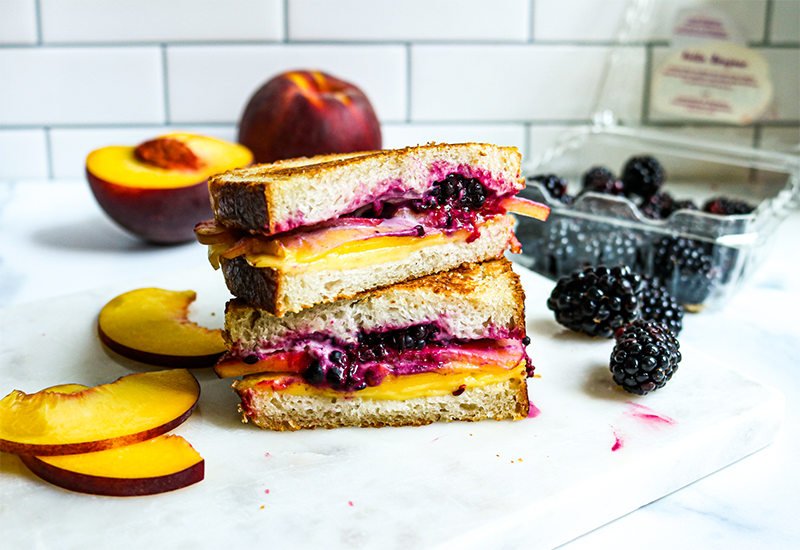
(307, 113)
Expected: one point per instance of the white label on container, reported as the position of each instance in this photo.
(717, 80)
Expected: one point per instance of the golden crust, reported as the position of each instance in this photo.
(291, 168)
(249, 197)
(466, 279)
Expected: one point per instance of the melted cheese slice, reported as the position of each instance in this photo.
(397, 388)
(334, 248)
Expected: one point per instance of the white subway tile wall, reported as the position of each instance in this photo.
(76, 75)
(81, 85)
(126, 21)
(785, 22)
(506, 82)
(18, 22)
(410, 20)
(213, 83)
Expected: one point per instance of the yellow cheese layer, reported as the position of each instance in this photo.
(333, 249)
(397, 388)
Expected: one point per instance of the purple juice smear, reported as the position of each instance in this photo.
(533, 411)
(647, 415)
(618, 442)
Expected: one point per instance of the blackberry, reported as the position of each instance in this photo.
(556, 186)
(457, 191)
(600, 179)
(645, 356)
(659, 305)
(727, 207)
(686, 266)
(314, 373)
(375, 345)
(597, 300)
(659, 206)
(643, 175)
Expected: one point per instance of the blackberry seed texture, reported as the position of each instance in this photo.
(460, 192)
(645, 356)
(555, 185)
(643, 175)
(686, 266)
(621, 247)
(597, 300)
(659, 305)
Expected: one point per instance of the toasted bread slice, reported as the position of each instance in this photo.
(277, 410)
(278, 197)
(473, 301)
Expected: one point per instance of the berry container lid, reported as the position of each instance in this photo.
(702, 258)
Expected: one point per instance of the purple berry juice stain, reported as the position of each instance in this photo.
(533, 411)
(618, 442)
(647, 415)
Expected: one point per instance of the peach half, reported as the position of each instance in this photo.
(164, 463)
(151, 325)
(158, 190)
(135, 408)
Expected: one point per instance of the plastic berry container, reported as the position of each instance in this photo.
(676, 70)
(702, 258)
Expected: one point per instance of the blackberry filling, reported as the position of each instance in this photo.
(457, 202)
(345, 369)
(454, 203)
(353, 367)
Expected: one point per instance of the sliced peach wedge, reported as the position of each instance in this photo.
(283, 361)
(135, 408)
(162, 464)
(151, 325)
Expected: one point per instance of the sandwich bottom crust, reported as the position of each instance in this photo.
(275, 410)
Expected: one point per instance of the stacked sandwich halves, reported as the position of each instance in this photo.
(372, 289)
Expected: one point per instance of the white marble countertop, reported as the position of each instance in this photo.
(54, 240)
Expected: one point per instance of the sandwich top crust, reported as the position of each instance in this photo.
(278, 197)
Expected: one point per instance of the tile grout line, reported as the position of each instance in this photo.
(48, 144)
(767, 37)
(286, 21)
(646, 85)
(39, 33)
(788, 123)
(409, 58)
(165, 78)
